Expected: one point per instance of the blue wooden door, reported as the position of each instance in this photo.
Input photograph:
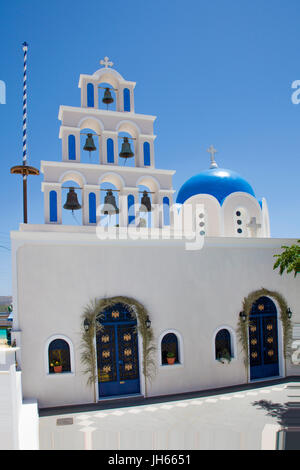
(117, 353)
(263, 339)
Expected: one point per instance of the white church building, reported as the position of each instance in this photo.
(186, 295)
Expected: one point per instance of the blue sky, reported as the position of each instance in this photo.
(213, 72)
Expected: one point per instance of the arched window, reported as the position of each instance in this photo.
(166, 209)
(147, 159)
(110, 151)
(169, 348)
(53, 206)
(59, 356)
(223, 345)
(131, 215)
(126, 95)
(90, 95)
(72, 147)
(92, 208)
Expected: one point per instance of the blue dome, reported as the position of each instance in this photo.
(216, 181)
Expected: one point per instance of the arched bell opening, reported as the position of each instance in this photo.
(166, 211)
(107, 98)
(90, 95)
(126, 149)
(53, 209)
(131, 210)
(71, 147)
(147, 153)
(90, 146)
(92, 208)
(145, 208)
(127, 100)
(71, 194)
(109, 205)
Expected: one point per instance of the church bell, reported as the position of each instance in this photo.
(145, 203)
(107, 98)
(126, 151)
(110, 205)
(89, 145)
(72, 203)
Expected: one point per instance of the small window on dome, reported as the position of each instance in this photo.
(202, 223)
(240, 222)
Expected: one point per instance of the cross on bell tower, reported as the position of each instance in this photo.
(106, 62)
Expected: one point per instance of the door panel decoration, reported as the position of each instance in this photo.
(96, 315)
(117, 353)
(244, 323)
(263, 339)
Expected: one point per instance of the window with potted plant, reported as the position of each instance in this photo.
(169, 349)
(57, 366)
(223, 346)
(59, 357)
(171, 358)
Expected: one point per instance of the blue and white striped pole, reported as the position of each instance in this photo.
(25, 49)
(24, 169)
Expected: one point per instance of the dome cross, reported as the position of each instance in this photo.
(212, 152)
(106, 62)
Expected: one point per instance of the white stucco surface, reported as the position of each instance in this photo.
(191, 292)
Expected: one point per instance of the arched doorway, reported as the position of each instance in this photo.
(117, 352)
(263, 339)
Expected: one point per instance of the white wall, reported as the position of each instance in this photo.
(192, 292)
(18, 420)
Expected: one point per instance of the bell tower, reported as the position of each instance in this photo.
(119, 145)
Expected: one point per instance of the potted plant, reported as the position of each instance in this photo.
(225, 356)
(57, 366)
(171, 357)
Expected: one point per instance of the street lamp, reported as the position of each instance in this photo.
(243, 316)
(86, 324)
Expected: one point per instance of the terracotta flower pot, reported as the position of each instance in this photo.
(171, 360)
(57, 369)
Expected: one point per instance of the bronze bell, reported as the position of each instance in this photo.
(145, 203)
(89, 145)
(107, 98)
(72, 203)
(126, 151)
(110, 205)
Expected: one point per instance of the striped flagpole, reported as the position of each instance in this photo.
(25, 49)
(24, 169)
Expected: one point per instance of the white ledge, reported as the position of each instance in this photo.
(103, 112)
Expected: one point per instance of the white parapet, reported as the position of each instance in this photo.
(18, 420)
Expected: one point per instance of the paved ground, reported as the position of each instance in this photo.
(240, 420)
